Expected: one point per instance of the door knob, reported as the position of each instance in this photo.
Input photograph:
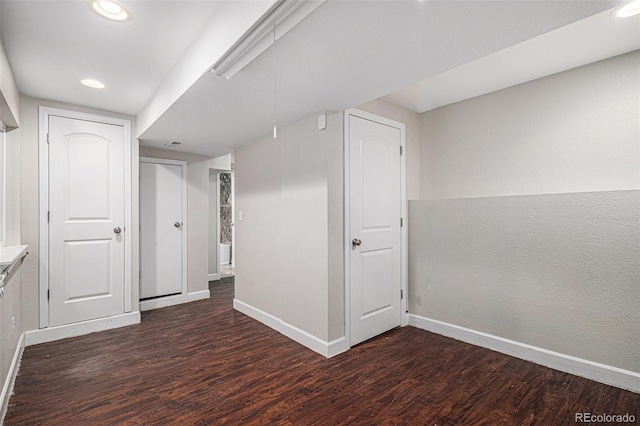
(117, 230)
(356, 242)
(177, 224)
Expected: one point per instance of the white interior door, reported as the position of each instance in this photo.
(161, 227)
(87, 219)
(374, 223)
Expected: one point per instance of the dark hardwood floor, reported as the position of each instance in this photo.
(203, 363)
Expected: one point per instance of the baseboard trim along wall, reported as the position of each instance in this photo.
(7, 388)
(609, 375)
(51, 334)
(176, 299)
(198, 295)
(327, 349)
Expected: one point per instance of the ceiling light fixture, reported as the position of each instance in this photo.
(629, 9)
(275, 84)
(286, 14)
(94, 84)
(110, 9)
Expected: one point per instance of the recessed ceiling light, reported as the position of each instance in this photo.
(94, 84)
(110, 9)
(629, 9)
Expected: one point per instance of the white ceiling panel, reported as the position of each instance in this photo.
(52, 45)
(346, 53)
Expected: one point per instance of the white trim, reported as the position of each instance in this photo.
(10, 380)
(185, 229)
(43, 191)
(327, 349)
(161, 302)
(233, 220)
(3, 185)
(609, 375)
(50, 334)
(198, 295)
(347, 223)
(176, 299)
(285, 14)
(213, 277)
(218, 212)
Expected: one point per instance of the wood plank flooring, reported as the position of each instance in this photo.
(203, 364)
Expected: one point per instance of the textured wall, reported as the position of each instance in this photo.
(559, 271)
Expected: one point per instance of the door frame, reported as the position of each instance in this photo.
(153, 303)
(353, 112)
(214, 276)
(43, 199)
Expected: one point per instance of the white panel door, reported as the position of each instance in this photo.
(374, 219)
(87, 216)
(160, 229)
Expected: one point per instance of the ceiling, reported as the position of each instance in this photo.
(342, 55)
(51, 45)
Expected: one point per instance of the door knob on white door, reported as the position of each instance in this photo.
(356, 242)
(117, 230)
(177, 224)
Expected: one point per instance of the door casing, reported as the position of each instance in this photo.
(347, 210)
(43, 199)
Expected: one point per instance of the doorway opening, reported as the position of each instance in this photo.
(227, 261)
(221, 225)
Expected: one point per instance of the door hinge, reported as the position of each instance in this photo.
(400, 149)
(47, 138)
(48, 294)
(401, 222)
(48, 216)
(401, 294)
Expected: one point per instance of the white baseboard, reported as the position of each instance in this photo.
(198, 295)
(7, 388)
(51, 334)
(603, 373)
(161, 302)
(176, 299)
(327, 349)
(213, 277)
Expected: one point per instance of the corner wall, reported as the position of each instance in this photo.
(529, 224)
(289, 241)
(11, 326)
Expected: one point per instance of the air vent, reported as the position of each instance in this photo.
(174, 144)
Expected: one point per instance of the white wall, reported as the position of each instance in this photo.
(528, 227)
(289, 191)
(9, 96)
(10, 304)
(29, 203)
(11, 325)
(570, 132)
(197, 210)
